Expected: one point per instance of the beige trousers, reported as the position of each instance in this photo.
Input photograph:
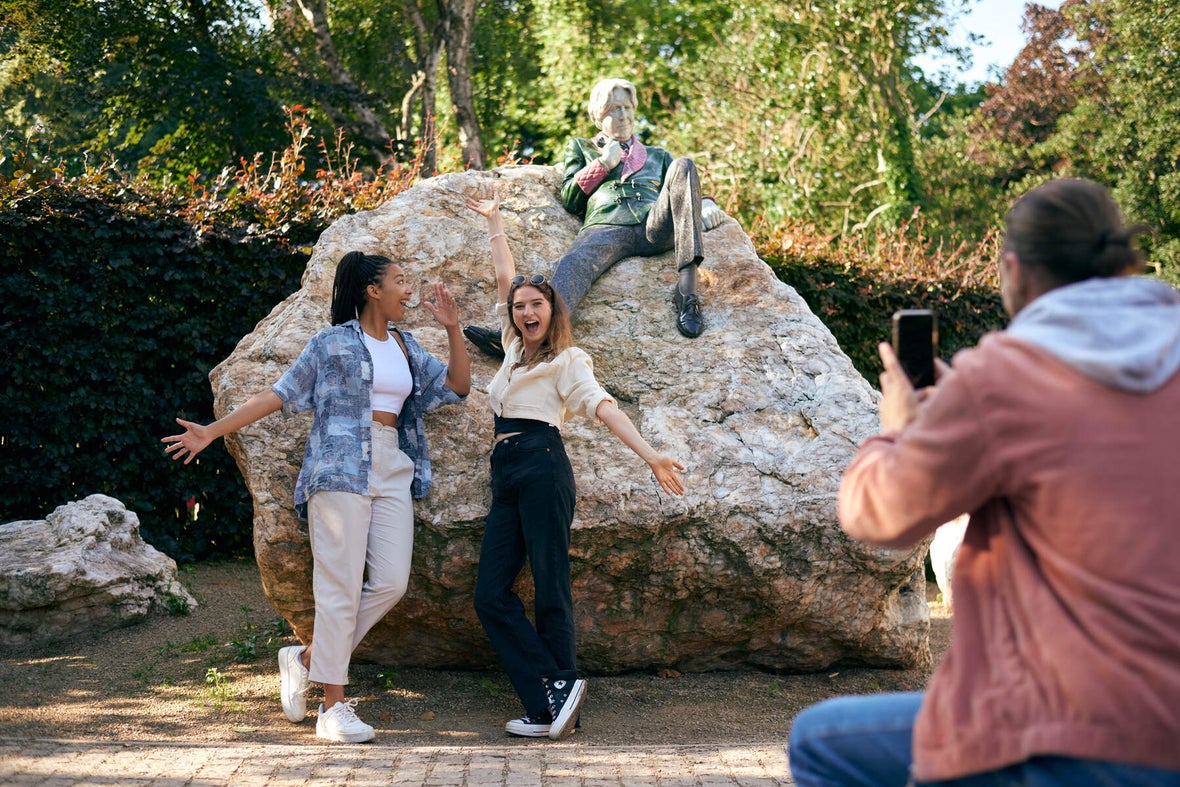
(361, 547)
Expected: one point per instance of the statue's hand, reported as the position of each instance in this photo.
(612, 154)
(711, 215)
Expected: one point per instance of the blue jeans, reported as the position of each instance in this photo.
(532, 510)
(867, 740)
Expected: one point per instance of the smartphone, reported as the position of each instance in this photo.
(915, 340)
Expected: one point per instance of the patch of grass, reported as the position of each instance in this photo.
(219, 692)
(251, 642)
(198, 644)
(177, 605)
(490, 687)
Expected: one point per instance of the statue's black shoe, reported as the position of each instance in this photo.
(486, 341)
(689, 319)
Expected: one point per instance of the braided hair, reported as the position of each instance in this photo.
(1070, 230)
(354, 274)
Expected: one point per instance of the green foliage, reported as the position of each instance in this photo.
(119, 300)
(808, 112)
(251, 642)
(854, 286)
(159, 86)
(116, 310)
(178, 606)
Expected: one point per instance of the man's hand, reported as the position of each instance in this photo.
(612, 154)
(711, 215)
(899, 400)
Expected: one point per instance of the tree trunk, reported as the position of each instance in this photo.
(460, 24)
(370, 125)
(429, 46)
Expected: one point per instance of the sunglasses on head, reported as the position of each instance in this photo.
(536, 280)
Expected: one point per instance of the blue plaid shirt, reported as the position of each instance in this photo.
(334, 374)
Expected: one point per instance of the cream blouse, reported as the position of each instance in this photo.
(553, 391)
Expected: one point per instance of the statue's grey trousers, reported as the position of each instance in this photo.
(673, 222)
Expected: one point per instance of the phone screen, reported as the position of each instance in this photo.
(915, 340)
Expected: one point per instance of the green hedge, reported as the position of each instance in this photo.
(856, 303)
(116, 307)
(118, 300)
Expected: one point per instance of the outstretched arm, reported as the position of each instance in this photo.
(196, 437)
(501, 255)
(446, 312)
(664, 467)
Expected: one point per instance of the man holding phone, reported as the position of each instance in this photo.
(1064, 663)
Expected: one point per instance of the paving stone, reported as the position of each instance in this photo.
(48, 763)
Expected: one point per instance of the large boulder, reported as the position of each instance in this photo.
(749, 568)
(83, 569)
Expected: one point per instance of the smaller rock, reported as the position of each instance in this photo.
(83, 569)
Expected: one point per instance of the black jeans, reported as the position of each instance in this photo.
(532, 509)
(674, 222)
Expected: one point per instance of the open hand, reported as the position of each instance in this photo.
(186, 446)
(444, 309)
(484, 206)
(665, 468)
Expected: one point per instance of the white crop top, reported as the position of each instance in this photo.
(392, 383)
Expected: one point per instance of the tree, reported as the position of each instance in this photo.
(1123, 132)
(172, 86)
(811, 110)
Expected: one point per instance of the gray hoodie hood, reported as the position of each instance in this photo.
(1123, 332)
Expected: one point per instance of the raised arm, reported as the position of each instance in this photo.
(502, 259)
(664, 467)
(196, 437)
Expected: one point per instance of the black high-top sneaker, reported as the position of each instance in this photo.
(566, 693)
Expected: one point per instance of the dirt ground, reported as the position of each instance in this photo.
(211, 676)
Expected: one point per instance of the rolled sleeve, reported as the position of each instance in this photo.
(578, 387)
(297, 385)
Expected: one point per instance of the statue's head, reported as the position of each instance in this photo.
(612, 107)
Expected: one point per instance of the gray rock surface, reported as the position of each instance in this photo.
(749, 568)
(83, 569)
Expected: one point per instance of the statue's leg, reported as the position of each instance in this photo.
(592, 253)
(675, 221)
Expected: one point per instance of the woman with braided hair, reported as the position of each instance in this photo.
(368, 384)
(1057, 436)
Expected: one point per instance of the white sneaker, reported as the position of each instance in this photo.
(528, 727)
(294, 679)
(339, 723)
